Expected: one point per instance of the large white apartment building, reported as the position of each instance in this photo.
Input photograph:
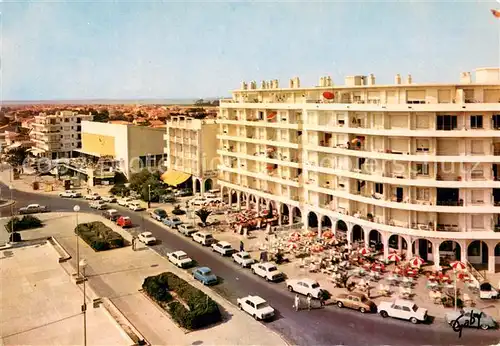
(414, 167)
(57, 135)
(191, 148)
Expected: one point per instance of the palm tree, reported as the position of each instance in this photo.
(344, 281)
(203, 214)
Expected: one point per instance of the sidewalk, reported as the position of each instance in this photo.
(118, 274)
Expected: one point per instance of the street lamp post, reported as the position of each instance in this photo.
(455, 274)
(83, 264)
(76, 209)
(149, 196)
(11, 212)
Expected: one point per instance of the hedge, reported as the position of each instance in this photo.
(99, 236)
(26, 222)
(203, 311)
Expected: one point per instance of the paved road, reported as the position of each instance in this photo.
(328, 326)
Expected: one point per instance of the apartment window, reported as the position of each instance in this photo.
(477, 174)
(476, 122)
(66, 120)
(423, 169)
(495, 119)
(446, 122)
(423, 194)
(477, 221)
(379, 188)
(422, 145)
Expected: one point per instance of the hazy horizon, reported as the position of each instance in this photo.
(164, 101)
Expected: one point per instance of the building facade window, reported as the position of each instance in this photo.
(379, 188)
(423, 169)
(476, 122)
(446, 122)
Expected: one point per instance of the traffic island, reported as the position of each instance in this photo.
(99, 236)
(190, 308)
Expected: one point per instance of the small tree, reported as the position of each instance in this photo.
(16, 157)
(203, 214)
(344, 281)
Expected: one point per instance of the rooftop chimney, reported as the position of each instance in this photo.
(263, 84)
(297, 82)
(243, 86)
(253, 85)
(290, 84)
(329, 81)
(371, 79)
(322, 82)
(397, 79)
(409, 80)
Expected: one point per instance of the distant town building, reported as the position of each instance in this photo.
(57, 135)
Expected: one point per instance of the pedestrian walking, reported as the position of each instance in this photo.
(309, 302)
(296, 302)
(242, 246)
(321, 300)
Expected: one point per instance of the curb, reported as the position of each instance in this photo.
(60, 249)
(7, 204)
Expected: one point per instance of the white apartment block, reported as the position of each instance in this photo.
(412, 167)
(191, 148)
(57, 135)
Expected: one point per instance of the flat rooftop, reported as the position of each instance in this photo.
(41, 305)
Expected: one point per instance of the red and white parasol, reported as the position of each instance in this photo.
(364, 251)
(394, 257)
(457, 265)
(416, 261)
(292, 246)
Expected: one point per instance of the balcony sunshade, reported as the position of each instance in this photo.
(174, 178)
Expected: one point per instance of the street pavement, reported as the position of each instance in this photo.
(327, 326)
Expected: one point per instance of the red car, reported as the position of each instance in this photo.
(124, 221)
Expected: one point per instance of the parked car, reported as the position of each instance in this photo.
(356, 301)
(70, 194)
(463, 317)
(172, 222)
(180, 259)
(99, 205)
(487, 291)
(135, 206)
(183, 193)
(93, 196)
(33, 209)
(111, 214)
(204, 238)
(256, 307)
(198, 201)
(124, 221)
(125, 201)
(187, 230)
(307, 287)
(158, 214)
(205, 276)
(243, 258)
(223, 248)
(267, 270)
(109, 199)
(147, 238)
(403, 309)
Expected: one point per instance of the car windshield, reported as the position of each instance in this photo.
(161, 212)
(262, 306)
(189, 227)
(272, 269)
(181, 257)
(176, 219)
(208, 236)
(315, 285)
(245, 256)
(415, 308)
(207, 273)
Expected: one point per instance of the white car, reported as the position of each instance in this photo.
(99, 205)
(93, 196)
(223, 248)
(307, 287)
(256, 307)
(402, 309)
(180, 259)
(187, 230)
(205, 239)
(125, 201)
(243, 258)
(147, 238)
(267, 270)
(70, 194)
(135, 206)
(109, 199)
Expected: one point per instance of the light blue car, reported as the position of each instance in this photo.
(172, 222)
(205, 276)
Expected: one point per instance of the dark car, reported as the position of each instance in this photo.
(159, 214)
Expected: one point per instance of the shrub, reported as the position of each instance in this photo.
(26, 222)
(178, 211)
(202, 310)
(99, 236)
(120, 190)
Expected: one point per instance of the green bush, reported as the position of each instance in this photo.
(202, 310)
(26, 222)
(99, 236)
(178, 211)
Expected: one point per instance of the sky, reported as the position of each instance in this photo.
(129, 50)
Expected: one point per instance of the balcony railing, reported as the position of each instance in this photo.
(459, 203)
